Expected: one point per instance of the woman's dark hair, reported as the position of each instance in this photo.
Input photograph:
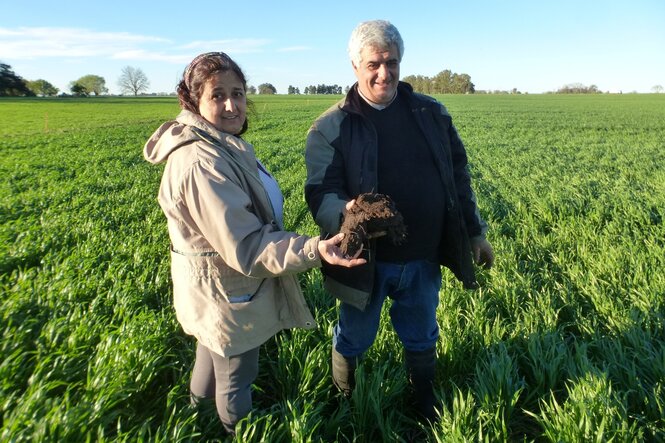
(199, 71)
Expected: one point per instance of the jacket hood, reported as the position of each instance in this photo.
(176, 133)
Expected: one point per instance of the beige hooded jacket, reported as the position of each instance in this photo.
(233, 268)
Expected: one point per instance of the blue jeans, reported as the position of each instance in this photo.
(414, 288)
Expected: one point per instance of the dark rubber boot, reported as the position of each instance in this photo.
(421, 368)
(343, 372)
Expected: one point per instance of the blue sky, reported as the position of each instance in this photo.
(534, 46)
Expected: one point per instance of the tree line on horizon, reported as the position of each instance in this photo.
(445, 82)
(133, 81)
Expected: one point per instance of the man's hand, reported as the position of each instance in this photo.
(349, 205)
(483, 254)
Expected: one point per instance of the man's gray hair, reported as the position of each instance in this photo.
(378, 34)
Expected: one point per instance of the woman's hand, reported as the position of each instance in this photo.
(330, 253)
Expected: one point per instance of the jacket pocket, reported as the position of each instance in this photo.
(210, 273)
(239, 288)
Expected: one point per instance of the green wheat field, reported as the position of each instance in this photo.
(565, 342)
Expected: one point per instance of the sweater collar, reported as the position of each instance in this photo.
(351, 103)
(377, 106)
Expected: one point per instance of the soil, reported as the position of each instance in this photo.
(373, 215)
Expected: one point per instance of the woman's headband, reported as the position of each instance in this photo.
(197, 60)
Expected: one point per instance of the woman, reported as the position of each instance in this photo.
(232, 265)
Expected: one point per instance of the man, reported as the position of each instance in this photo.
(385, 138)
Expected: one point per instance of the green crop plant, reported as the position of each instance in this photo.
(565, 340)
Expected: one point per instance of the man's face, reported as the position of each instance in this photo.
(378, 73)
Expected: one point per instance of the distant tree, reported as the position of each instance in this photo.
(578, 88)
(91, 84)
(462, 84)
(12, 85)
(445, 82)
(133, 81)
(442, 82)
(657, 89)
(420, 83)
(78, 89)
(293, 90)
(42, 87)
(251, 90)
(323, 89)
(267, 88)
(332, 89)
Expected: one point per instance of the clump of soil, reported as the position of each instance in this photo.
(373, 215)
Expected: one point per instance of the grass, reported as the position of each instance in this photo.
(564, 342)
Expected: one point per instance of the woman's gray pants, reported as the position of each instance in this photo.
(228, 380)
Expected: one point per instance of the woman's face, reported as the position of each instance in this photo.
(223, 102)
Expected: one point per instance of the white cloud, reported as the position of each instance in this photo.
(25, 43)
(142, 55)
(231, 46)
(30, 43)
